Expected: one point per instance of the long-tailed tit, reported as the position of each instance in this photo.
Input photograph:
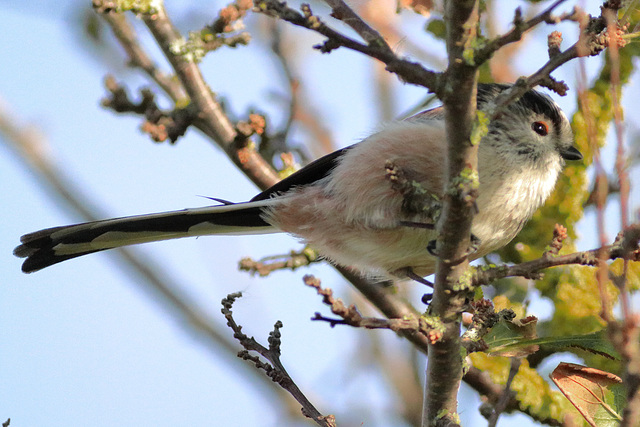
(345, 206)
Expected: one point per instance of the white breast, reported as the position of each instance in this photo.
(508, 199)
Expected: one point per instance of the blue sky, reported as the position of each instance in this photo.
(84, 343)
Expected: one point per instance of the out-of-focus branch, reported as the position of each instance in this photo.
(138, 57)
(624, 333)
(382, 16)
(285, 61)
(32, 148)
(612, 187)
(480, 381)
(501, 406)
(300, 108)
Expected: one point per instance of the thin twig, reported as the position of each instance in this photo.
(349, 315)
(160, 125)
(341, 11)
(519, 28)
(591, 42)
(624, 333)
(276, 370)
(626, 248)
(408, 71)
(291, 261)
(506, 392)
(287, 69)
(482, 383)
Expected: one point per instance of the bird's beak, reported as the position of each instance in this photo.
(571, 153)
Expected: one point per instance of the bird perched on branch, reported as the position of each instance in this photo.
(347, 206)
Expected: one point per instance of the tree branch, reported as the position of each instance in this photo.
(276, 370)
(592, 41)
(429, 327)
(625, 247)
(407, 71)
(341, 11)
(444, 368)
(138, 58)
(211, 118)
(484, 53)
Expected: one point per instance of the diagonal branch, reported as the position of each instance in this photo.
(138, 58)
(274, 369)
(212, 120)
(341, 11)
(625, 247)
(519, 28)
(407, 71)
(151, 276)
(592, 41)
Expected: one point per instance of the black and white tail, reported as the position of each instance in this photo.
(53, 245)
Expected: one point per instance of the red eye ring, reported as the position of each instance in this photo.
(541, 128)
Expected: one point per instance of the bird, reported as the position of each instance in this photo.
(344, 205)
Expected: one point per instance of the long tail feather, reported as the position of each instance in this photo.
(53, 245)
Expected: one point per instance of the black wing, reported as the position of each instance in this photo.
(309, 174)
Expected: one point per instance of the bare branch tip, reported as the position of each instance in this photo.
(554, 41)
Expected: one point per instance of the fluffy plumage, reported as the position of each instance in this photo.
(344, 205)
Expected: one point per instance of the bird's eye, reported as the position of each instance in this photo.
(541, 128)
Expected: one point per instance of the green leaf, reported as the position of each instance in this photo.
(512, 337)
(437, 27)
(596, 343)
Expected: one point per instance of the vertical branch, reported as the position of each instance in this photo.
(444, 370)
(625, 333)
(620, 162)
(601, 186)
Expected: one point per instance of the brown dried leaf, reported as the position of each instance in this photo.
(596, 394)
